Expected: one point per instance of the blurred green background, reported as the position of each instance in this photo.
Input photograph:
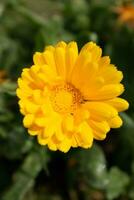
(29, 171)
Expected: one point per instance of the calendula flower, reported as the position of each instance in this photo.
(70, 98)
(126, 14)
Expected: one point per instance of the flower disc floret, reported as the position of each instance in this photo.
(65, 98)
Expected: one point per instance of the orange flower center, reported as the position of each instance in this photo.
(65, 98)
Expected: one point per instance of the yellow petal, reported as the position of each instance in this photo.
(82, 60)
(115, 122)
(22, 94)
(24, 86)
(49, 130)
(104, 61)
(71, 56)
(28, 120)
(49, 60)
(107, 92)
(100, 111)
(33, 133)
(61, 44)
(38, 59)
(46, 124)
(46, 108)
(26, 75)
(111, 75)
(84, 135)
(74, 142)
(34, 69)
(83, 76)
(81, 115)
(68, 123)
(47, 75)
(37, 83)
(60, 61)
(34, 130)
(88, 88)
(88, 46)
(65, 145)
(59, 133)
(22, 107)
(37, 97)
(100, 129)
(42, 121)
(41, 139)
(52, 146)
(31, 107)
(52, 126)
(95, 50)
(119, 103)
(49, 48)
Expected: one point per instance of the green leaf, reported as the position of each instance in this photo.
(118, 181)
(9, 88)
(16, 142)
(127, 133)
(92, 164)
(24, 179)
(131, 185)
(3, 133)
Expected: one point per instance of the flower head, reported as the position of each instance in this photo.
(126, 14)
(70, 98)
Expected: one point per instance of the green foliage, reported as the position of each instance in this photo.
(29, 171)
(93, 164)
(25, 176)
(117, 183)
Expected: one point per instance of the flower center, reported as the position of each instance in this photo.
(65, 98)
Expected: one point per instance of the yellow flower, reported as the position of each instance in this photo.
(69, 99)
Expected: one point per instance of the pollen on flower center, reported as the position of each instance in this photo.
(65, 98)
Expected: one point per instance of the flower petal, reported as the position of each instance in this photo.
(107, 92)
(100, 111)
(59, 56)
(115, 122)
(65, 145)
(71, 57)
(119, 103)
(84, 135)
(100, 129)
